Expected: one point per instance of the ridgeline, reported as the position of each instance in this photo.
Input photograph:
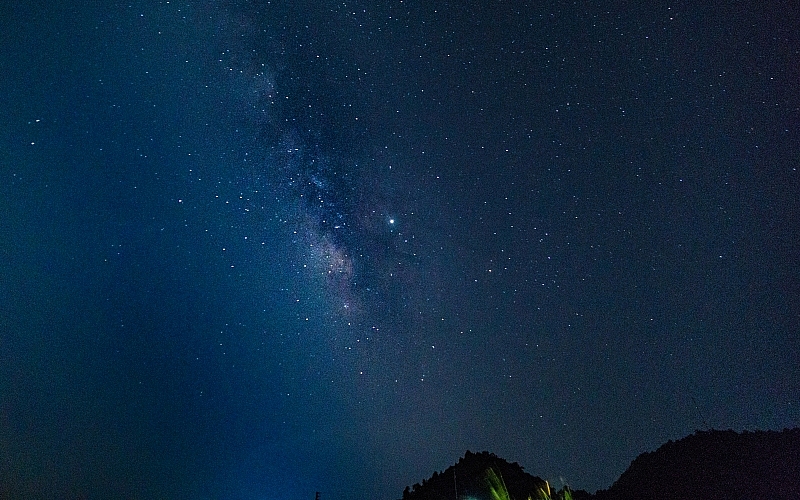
(706, 465)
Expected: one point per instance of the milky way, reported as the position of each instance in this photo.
(355, 244)
(260, 249)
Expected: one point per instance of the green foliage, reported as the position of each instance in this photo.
(498, 490)
(544, 493)
(497, 487)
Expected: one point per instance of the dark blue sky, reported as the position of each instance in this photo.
(254, 250)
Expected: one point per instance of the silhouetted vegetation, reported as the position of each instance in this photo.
(715, 464)
(706, 465)
(468, 479)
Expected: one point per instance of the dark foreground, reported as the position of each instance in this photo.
(705, 465)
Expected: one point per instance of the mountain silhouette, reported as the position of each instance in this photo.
(715, 465)
(467, 479)
(707, 465)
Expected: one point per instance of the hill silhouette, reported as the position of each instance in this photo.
(467, 479)
(706, 465)
(715, 465)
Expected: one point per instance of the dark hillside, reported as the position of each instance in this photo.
(467, 478)
(715, 465)
(707, 465)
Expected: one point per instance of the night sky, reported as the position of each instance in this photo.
(255, 250)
